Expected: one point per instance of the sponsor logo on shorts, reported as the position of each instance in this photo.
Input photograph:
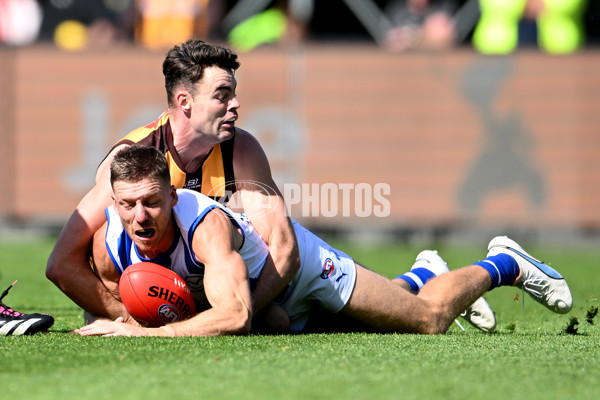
(168, 313)
(327, 269)
(339, 278)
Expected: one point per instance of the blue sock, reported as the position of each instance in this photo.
(416, 278)
(503, 269)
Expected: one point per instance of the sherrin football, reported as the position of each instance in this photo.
(155, 295)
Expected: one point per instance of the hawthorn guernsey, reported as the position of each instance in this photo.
(155, 295)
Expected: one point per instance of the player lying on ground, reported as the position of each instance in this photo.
(218, 253)
(208, 153)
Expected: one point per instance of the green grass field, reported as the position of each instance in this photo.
(530, 356)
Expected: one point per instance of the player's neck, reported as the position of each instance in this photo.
(193, 153)
(191, 147)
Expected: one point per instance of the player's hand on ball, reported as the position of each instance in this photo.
(117, 327)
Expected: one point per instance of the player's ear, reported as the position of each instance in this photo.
(174, 197)
(183, 100)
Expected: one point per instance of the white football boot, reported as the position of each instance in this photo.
(431, 260)
(479, 314)
(544, 284)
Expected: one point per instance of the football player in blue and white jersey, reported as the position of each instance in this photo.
(219, 254)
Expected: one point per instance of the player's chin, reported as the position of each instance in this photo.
(227, 131)
(146, 248)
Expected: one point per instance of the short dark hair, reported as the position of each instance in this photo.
(135, 163)
(185, 64)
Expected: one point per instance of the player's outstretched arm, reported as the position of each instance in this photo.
(264, 205)
(106, 271)
(225, 282)
(68, 266)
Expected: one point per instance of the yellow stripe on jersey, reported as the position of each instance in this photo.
(213, 174)
(177, 175)
(140, 133)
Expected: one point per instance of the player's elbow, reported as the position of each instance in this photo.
(54, 272)
(241, 322)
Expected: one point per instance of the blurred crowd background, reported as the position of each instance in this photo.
(490, 26)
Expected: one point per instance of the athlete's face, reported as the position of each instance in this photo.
(145, 209)
(214, 105)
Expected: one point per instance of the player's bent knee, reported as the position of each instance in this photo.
(436, 321)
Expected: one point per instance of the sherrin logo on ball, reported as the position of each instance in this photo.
(155, 295)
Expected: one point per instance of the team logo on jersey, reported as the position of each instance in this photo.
(168, 313)
(192, 183)
(327, 269)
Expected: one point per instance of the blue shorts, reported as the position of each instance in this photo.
(326, 277)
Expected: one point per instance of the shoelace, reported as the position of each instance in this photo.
(4, 309)
(459, 324)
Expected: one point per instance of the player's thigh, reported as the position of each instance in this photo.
(323, 321)
(381, 303)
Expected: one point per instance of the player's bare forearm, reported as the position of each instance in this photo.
(274, 227)
(69, 269)
(82, 286)
(281, 266)
(212, 322)
(68, 266)
(226, 283)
